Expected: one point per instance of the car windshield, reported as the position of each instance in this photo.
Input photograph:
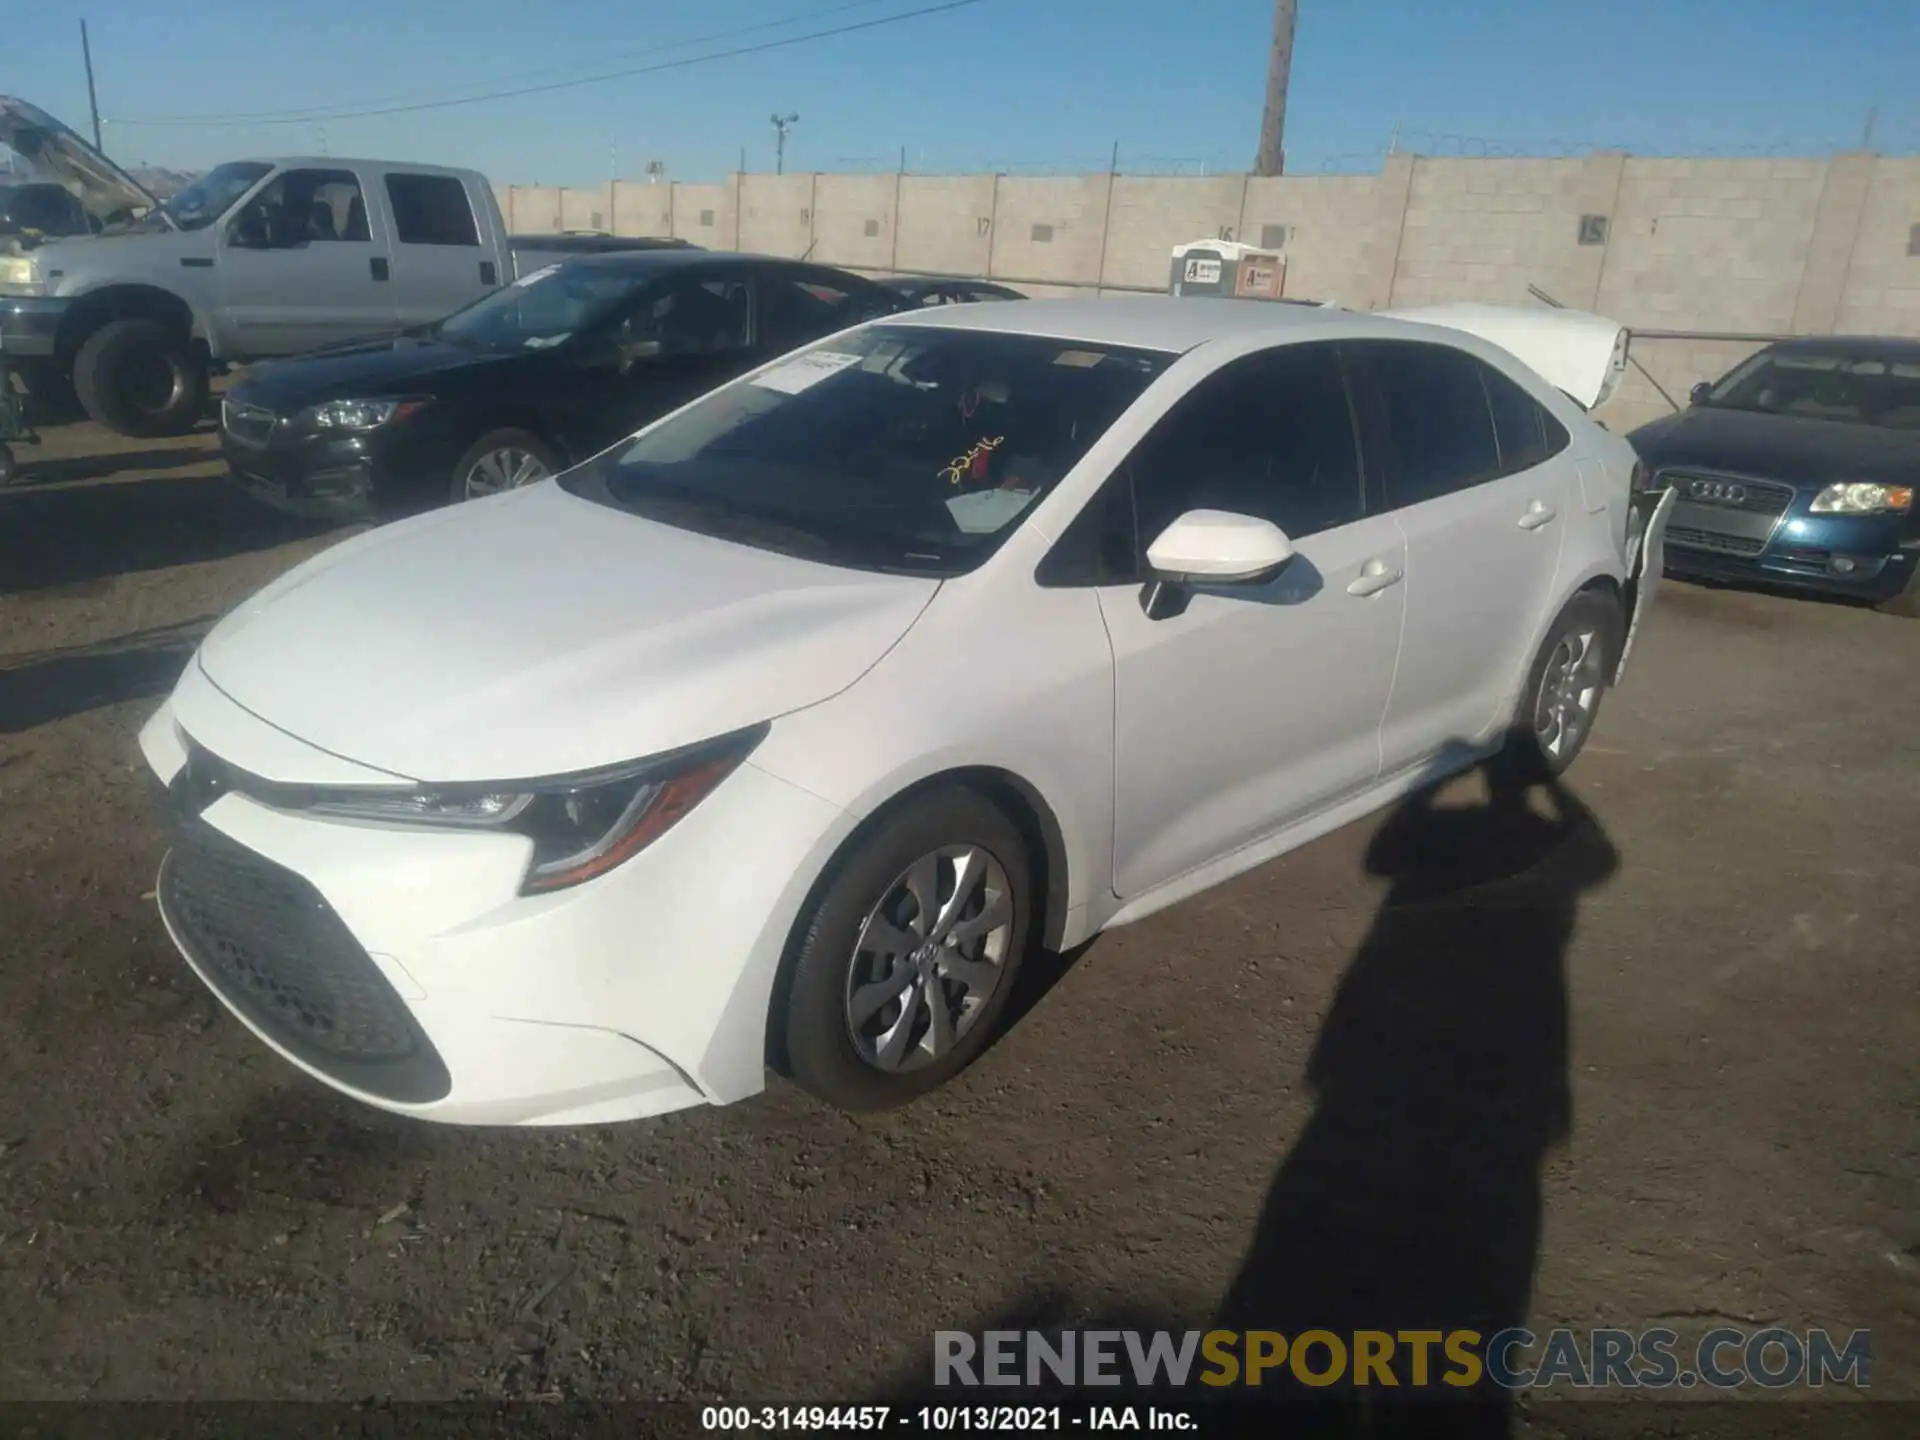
(1856, 390)
(213, 194)
(542, 309)
(899, 448)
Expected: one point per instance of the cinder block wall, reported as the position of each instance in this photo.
(1733, 247)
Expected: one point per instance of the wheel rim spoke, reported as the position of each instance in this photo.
(998, 911)
(892, 1048)
(923, 883)
(868, 1000)
(968, 871)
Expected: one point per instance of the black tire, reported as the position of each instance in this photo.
(1907, 603)
(141, 378)
(812, 1015)
(1529, 755)
(495, 442)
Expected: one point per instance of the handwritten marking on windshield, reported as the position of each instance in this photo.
(973, 462)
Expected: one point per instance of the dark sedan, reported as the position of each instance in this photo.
(924, 290)
(526, 382)
(1798, 468)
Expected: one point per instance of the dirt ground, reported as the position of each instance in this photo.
(1655, 1066)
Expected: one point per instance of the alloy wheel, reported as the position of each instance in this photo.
(1569, 693)
(507, 468)
(929, 958)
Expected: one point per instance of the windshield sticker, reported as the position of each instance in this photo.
(534, 277)
(1079, 359)
(803, 372)
(985, 511)
(974, 462)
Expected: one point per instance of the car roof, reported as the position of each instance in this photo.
(1853, 347)
(1161, 322)
(665, 258)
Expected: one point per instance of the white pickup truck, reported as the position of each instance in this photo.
(257, 259)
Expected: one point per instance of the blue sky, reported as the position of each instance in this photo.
(1012, 84)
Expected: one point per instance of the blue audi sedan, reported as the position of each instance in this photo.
(1798, 468)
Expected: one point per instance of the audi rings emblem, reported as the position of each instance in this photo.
(1718, 490)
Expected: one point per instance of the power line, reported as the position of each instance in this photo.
(551, 86)
(308, 113)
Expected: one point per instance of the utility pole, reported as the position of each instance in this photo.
(1866, 133)
(93, 100)
(1272, 157)
(781, 124)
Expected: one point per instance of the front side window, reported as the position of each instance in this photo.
(212, 195)
(689, 316)
(1270, 435)
(1856, 390)
(300, 207)
(431, 210)
(1436, 418)
(893, 448)
(541, 310)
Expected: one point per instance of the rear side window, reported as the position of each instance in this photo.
(1437, 420)
(799, 308)
(431, 210)
(1527, 434)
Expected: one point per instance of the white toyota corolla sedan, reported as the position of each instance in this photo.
(781, 733)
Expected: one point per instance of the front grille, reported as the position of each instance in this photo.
(251, 424)
(279, 955)
(1691, 539)
(1729, 492)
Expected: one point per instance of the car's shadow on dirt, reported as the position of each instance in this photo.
(86, 533)
(49, 685)
(1410, 1201)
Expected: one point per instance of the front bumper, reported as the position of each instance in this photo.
(1772, 537)
(30, 325)
(403, 967)
(332, 477)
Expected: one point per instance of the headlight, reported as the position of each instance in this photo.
(360, 415)
(1863, 498)
(20, 275)
(581, 825)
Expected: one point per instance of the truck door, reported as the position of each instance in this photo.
(440, 263)
(300, 266)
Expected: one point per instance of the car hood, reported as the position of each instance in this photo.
(362, 370)
(56, 153)
(539, 634)
(1790, 448)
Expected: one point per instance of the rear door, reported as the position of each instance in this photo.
(301, 266)
(1476, 474)
(441, 262)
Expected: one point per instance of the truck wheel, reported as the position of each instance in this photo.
(138, 377)
(1907, 603)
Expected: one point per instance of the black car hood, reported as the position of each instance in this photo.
(1791, 448)
(368, 370)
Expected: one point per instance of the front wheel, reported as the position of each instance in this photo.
(503, 460)
(1565, 686)
(908, 958)
(141, 378)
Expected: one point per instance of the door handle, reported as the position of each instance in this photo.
(1375, 576)
(1538, 514)
(378, 265)
(488, 274)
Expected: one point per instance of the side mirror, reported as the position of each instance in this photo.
(1699, 393)
(1211, 547)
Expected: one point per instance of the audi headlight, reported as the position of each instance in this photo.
(580, 825)
(20, 275)
(1863, 498)
(360, 416)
